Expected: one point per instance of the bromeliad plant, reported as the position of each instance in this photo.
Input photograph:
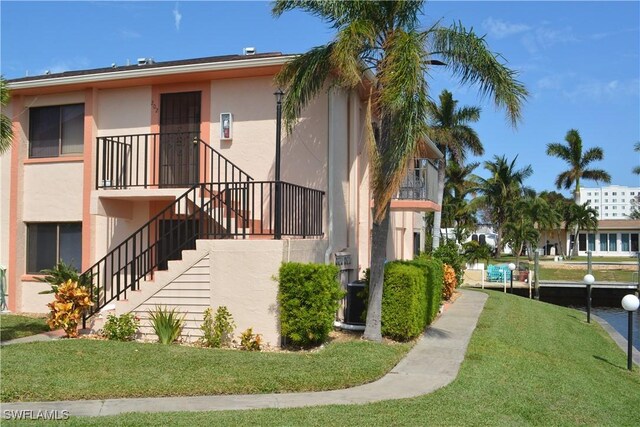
(167, 324)
(72, 300)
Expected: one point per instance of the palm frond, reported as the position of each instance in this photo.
(596, 175)
(6, 129)
(302, 79)
(469, 59)
(558, 150)
(591, 155)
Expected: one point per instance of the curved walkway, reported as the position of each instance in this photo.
(433, 363)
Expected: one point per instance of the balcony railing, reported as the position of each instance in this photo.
(420, 183)
(163, 160)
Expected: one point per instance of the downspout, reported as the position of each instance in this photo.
(330, 177)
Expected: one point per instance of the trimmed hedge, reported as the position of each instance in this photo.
(404, 301)
(411, 297)
(309, 296)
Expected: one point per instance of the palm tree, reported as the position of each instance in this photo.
(580, 217)
(578, 163)
(520, 230)
(383, 37)
(578, 166)
(636, 148)
(503, 186)
(457, 211)
(449, 129)
(6, 132)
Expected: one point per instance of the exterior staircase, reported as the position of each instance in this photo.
(160, 264)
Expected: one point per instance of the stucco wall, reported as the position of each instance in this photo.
(30, 299)
(53, 192)
(124, 111)
(5, 179)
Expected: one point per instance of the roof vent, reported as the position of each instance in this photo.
(146, 61)
(249, 51)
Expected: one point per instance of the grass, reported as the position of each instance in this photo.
(13, 326)
(547, 273)
(606, 258)
(528, 363)
(92, 369)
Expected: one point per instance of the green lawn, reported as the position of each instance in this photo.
(90, 369)
(547, 273)
(528, 363)
(13, 326)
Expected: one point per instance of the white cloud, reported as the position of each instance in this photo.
(545, 37)
(62, 65)
(501, 29)
(603, 90)
(129, 34)
(177, 17)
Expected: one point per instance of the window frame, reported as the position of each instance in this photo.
(57, 245)
(60, 108)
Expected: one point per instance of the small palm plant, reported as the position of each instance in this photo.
(167, 324)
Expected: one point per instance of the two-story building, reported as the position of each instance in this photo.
(158, 181)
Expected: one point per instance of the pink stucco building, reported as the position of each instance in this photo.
(158, 179)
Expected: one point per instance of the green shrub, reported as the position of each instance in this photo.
(435, 284)
(167, 324)
(218, 331)
(404, 301)
(309, 297)
(62, 273)
(121, 328)
(448, 253)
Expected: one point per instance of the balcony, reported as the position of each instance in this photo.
(419, 188)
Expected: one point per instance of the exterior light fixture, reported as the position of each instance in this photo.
(512, 267)
(630, 303)
(588, 280)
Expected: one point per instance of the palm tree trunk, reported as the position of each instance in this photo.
(437, 216)
(379, 235)
(576, 199)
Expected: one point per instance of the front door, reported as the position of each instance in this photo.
(179, 135)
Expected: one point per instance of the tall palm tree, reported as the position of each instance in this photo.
(503, 186)
(578, 163)
(520, 230)
(578, 166)
(384, 37)
(449, 129)
(6, 132)
(457, 211)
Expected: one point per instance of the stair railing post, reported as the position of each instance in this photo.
(133, 264)
(201, 222)
(278, 219)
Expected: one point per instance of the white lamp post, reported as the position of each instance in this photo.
(512, 267)
(588, 280)
(630, 303)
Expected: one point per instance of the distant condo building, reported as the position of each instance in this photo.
(611, 202)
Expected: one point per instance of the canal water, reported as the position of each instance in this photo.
(618, 318)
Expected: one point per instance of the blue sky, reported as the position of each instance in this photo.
(579, 60)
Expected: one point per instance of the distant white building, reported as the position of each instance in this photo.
(611, 202)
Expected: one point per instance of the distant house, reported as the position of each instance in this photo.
(612, 238)
(158, 180)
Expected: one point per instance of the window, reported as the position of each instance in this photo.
(614, 207)
(612, 242)
(606, 207)
(633, 193)
(634, 242)
(48, 243)
(582, 242)
(606, 200)
(592, 242)
(614, 214)
(606, 194)
(613, 193)
(622, 193)
(597, 201)
(588, 194)
(624, 242)
(614, 201)
(56, 131)
(603, 242)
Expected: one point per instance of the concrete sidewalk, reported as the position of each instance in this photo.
(432, 363)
